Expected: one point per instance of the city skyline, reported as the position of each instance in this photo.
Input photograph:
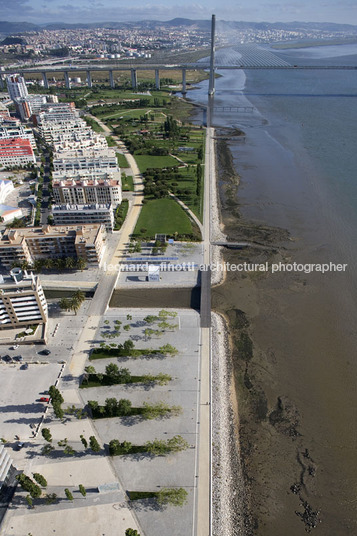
(44, 11)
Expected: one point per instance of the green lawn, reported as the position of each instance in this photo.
(146, 161)
(127, 183)
(122, 161)
(163, 216)
(93, 124)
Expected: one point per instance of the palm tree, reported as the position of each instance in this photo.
(70, 263)
(79, 295)
(75, 305)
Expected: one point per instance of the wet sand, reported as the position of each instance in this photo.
(294, 345)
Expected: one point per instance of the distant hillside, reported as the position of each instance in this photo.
(13, 28)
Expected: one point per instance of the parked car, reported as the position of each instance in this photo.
(45, 352)
(25, 366)
(7, 358)
(20, 445)
(14, 347)
(18, 358)
(44, 399)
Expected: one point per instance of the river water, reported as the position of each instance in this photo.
(297, 396)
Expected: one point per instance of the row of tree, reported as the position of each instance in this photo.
(73, 303)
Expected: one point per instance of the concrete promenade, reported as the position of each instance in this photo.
(204, 460)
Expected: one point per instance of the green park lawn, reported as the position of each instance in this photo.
(122, 161)
(146, 161)
(163, 216)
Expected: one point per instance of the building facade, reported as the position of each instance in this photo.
(87, 214)
(98, 188)
(16, 86)
(26, 245)
(17, 131)
(16, 152)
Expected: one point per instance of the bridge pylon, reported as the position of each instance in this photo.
(211, 87)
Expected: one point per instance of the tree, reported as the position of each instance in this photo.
(150, 319)
(128, 345)
(46, 434)
(29, 485)
(111, 407)
(168, 349)
(94, 445)
(50, 498)
(55, 395)
(124, 407)
(29, 501)
(75, 305)
(84, 441)
(47, 449)
(174, 496)
(65, 304)
(159, 410)
(79, 295)
(68, 494)
(82, 489)
(131, 532)
(40, 479)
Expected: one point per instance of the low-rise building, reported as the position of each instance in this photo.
(16, 152)
(76, 214)
(26, 245)
(22, 300)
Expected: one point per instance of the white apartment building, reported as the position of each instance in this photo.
(70, 162)
(87, 214)
(95, 188)
(22, 300)
(16, 86)
(17, 131)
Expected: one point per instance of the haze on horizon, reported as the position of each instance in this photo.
(85, 11)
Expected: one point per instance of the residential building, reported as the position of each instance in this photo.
(22, 300)
(31, 243)
(16, 86)
(71, 161)
(17, 131)
(76, 214)
(90, 188)
(16, 152)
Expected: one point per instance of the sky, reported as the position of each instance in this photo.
(41, 11)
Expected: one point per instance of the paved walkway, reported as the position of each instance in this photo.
(204, 456)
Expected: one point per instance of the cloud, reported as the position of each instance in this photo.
(14, 7)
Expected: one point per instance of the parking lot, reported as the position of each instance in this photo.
(20, 407)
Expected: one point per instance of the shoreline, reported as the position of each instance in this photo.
(228, 493)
